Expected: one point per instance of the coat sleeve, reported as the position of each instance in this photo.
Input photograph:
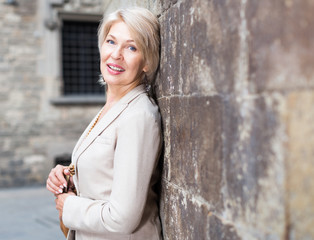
(138, 145)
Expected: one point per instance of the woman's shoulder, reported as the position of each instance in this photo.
(143, 105)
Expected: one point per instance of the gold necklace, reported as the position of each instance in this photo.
(97, 119)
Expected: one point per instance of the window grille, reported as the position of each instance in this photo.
(80, 58)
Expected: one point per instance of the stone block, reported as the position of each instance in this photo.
(193, 145)
(199, 47)
(7, 153)
(27, 8)
(182, 219)
(153, 5)
(166, 4)
(300, 165)
(220, 230)
(186, 217)
(248, 128)
(253, 149)
(281, 44)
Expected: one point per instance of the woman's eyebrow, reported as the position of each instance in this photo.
(110, 35)
(129, 40)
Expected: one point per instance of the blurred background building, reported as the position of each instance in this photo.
(236, 94)
(48, 75)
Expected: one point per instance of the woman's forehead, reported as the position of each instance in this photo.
(120, 30)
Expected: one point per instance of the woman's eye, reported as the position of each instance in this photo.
(110, 41)
(132, 48)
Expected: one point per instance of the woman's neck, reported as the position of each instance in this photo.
(115, 93)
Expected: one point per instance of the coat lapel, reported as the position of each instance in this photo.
(108, 118)
(83, 136)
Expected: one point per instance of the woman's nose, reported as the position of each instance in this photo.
(117, 53)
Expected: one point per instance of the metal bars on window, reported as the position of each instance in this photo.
(80, 58)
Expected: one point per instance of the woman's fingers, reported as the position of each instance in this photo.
(66, 171)
(53, 188)
(59, 173)
(52, 183)
(56, 181)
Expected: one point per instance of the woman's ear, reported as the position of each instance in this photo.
(145, 68)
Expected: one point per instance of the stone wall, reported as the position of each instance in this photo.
(33, 132)
(236, 94)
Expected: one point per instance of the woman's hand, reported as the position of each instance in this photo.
(60, 199)
(56, 181)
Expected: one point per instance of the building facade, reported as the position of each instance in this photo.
(39, 122)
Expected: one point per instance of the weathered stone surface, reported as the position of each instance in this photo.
(252, 160)
(281, 44)
(240, 62)
(186, 216)
(26, 9)
(218, 230)
(182, 219)
(248, 131)
(152, 5)
(300, 165)
(166, 4)
(199, 47)
(254, 166)
(195, 140)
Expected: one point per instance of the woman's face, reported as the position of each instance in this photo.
(122, 63)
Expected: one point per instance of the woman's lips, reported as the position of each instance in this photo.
(115, 69)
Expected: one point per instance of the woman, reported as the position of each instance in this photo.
(115, 159)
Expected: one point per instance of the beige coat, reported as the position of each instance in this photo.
(115, 172)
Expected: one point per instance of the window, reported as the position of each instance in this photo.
(80, 58)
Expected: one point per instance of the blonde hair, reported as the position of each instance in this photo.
(144, 27)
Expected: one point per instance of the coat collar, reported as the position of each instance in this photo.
(108, 118)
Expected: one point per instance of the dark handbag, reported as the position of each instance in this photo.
(71, 168)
